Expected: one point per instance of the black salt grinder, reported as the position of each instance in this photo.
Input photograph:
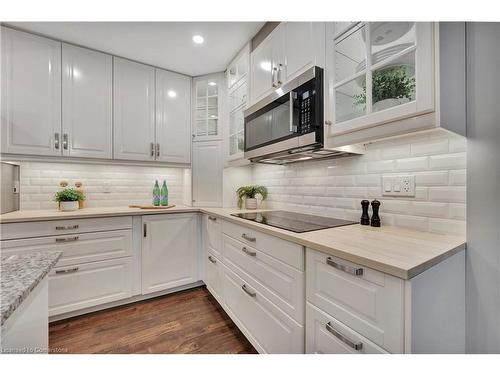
(375, 216)
(365, 218)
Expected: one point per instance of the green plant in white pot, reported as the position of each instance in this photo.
(68, 199)
(248, 194)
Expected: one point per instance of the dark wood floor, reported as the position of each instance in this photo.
(190, 321)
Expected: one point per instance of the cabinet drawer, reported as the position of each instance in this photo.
(326, 335)
(61, 227)
(267, 327)
(79, 248)
(370, 303)
(284, 284)
(214, 234)
(213, 276)
(91, 284)
(287, 252)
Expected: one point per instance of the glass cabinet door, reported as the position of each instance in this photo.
(207, 108)
(374, 73)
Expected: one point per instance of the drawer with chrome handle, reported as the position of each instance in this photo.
(355, 345)
(67, 239)
(211, 259)
(69, 270)
(67, 227)
(352, 270)
(248, 238)
(247, 291)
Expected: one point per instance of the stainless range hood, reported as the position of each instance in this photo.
(287, 126)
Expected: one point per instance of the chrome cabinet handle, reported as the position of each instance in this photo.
(341, 337)
(212, 259)
(213, 218)
(152, 150)
(67, 239)
(251, 253)
(273, 71)
(145, 230)
(278, 75)
(157, 150)
(56, 141)
(248, 238)
(67, 227)
(245, 289)
(70, 270)
(65, 141)
(352, 270)
(328, 122)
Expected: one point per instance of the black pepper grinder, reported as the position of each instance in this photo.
(375, 216)
(365, 218)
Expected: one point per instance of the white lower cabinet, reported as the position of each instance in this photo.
(213, 276)
(268, 328)
(326, 335)
(89, 284)
(169, 251)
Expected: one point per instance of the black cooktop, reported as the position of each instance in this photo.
(295, 222)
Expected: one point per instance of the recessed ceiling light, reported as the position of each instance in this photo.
(172, 94)
(212, 83)
(198, 39)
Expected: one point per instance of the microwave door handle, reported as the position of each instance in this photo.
(293, 99)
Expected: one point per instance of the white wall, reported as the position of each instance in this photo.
(129, 184)
(336, 187)
(483, 195)
(234, 178)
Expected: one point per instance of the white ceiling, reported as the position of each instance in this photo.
(167, 45)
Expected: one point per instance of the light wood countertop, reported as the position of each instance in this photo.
(403, 253)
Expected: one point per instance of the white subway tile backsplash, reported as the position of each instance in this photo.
(336, 187)
(129, 184)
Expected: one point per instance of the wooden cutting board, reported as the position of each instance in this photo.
(151, 207)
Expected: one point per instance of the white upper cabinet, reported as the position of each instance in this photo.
(207, 93)
(134, 110)
(207, 174)
(31, 94)
(378, 72)
(86, 103)
(173, 117)
(290, 49)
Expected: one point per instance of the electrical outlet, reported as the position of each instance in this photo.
(398, 186)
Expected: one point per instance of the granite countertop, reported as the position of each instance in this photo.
(20, 274)
(400, 252)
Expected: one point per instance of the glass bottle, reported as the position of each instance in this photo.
(156, 194)
(164, 194)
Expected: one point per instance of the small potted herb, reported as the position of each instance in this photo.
(68, 199)
(248, 193)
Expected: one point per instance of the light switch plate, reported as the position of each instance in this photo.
(398, 186)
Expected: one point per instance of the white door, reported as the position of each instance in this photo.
(207, 174)
(133, 110)
(169, 251)
(87, 103)
(31, 94)
(267, 63)
(304, 46)
(173, 117)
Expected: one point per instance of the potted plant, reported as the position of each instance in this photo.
(390, 87)
(68, 199)
(248, 193)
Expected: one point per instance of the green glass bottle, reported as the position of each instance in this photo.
(164, 194)
(156, 194)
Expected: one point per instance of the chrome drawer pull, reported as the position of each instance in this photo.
(352, 270)
(245, 289)
(213, 218)
(67, 227)
(67, 239)
(70, 270)
(246, 251)
(212, 259)
(345, 340)
(248, 238)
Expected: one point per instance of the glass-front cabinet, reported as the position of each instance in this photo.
(378, 72)
(207, 92)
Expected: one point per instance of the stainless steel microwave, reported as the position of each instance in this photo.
(288, 125)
